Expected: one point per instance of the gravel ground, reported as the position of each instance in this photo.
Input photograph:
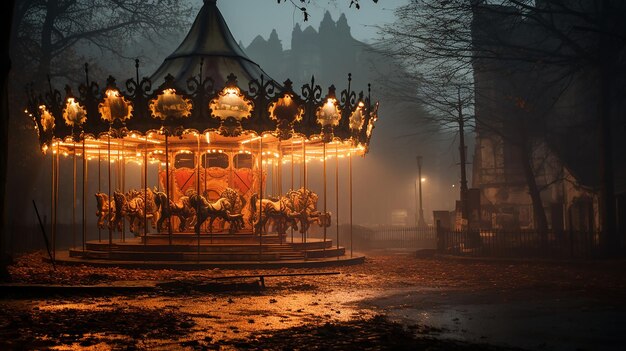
(393, 301)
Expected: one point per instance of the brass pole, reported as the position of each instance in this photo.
(304, 234)
(279, 167)
(324, 162)
(74, 195)
(121, 172)
(52, 192)
(260, 196)
(198, 159)
(279, 182)
(145, 191)
(56, 200)
(350, 186)
(100, 190)
(167, 185)
(158, 175)
(110, 199)
(292, 151)
(53, 210)
(85, 178)
(205, 186)
(337, 191)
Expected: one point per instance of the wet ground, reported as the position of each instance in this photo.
(393, 301)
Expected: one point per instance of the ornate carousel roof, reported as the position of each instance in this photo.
(207, 85)
(210, 43)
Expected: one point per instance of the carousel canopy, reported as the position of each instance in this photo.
(206, 86)
(209, 43)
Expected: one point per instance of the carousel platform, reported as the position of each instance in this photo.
(220, 250)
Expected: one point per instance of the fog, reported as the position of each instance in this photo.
(384, 180)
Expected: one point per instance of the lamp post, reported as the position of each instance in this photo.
(420, 217)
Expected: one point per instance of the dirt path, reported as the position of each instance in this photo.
(440, 303)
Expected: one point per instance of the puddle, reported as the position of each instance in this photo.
(547, 322)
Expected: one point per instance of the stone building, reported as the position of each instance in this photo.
(533, 132)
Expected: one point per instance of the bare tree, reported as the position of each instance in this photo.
(565, 38)
(302, 5)
(46, 34)
(55, 38)
(4, 132)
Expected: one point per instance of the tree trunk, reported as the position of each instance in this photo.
(607, 206)
(46, 40)
(464, 199)
(539, 213)
(4, 133)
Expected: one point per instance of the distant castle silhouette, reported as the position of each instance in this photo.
(329, 54)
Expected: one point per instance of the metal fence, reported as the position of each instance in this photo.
(393, 237)
(522, 243)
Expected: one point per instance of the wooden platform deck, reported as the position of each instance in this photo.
(210, 250)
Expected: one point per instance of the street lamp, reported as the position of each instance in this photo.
(420, 216)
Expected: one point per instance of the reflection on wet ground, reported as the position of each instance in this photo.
(215, 316)
(524, 319)
(531, 305)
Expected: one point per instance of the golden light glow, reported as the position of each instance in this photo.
(372, 121)
(47, 120)
(329, 114)
(74, 114)
(230, 102)
(170, 104)
(286, 108)
(356, 118)
(115, 107)
(250, 140)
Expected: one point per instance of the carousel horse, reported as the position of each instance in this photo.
(104, 208)
(279, 210)
(234, 216)
(305, 205)
(181, 209)
(211, 210)
(141, 206)
(119, 211)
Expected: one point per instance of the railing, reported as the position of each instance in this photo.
(522, 243)
(392, 237)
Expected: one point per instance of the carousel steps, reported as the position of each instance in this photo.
(185, 247)
(190, 239)
(315, 244)
(325, 253)
(179, 256)
(189, 248)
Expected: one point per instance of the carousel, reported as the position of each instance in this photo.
(206, 162)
